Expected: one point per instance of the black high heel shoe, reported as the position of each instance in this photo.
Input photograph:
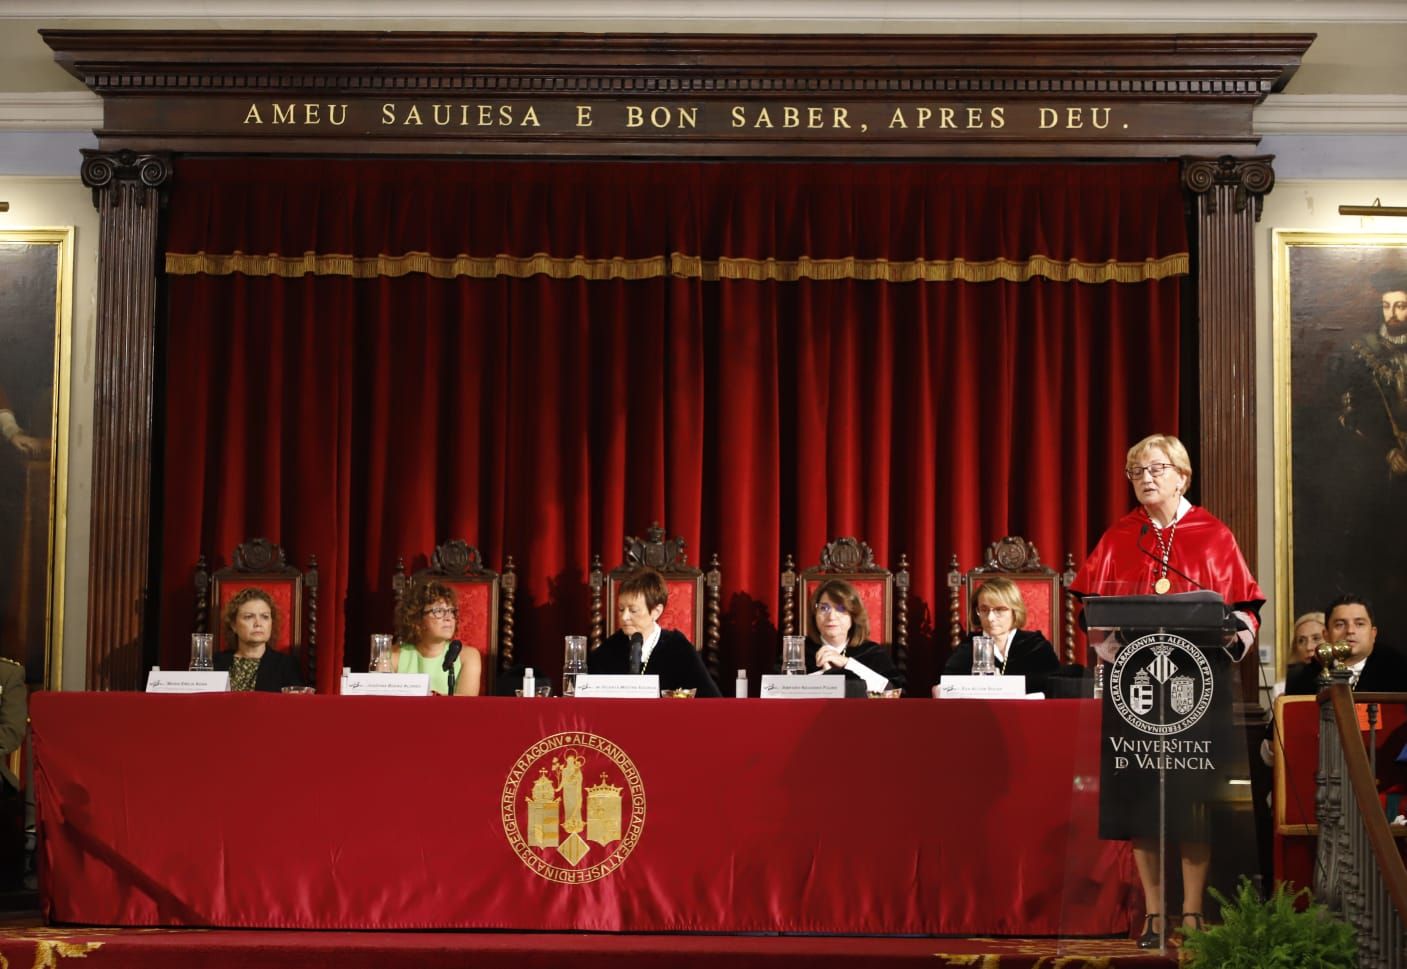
(1151, 937)
(1198, 923)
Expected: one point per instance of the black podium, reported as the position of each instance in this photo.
(1168, 740)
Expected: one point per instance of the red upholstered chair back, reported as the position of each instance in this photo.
(482, 596)
(285, 594)
(693, 605)
(884, 593)
(1048, 606)
(261, 564)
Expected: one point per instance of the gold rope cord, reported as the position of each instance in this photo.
(679, 265)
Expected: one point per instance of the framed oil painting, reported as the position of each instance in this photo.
(1340, 333)
(36, 299)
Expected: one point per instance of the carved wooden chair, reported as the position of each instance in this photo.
(484, 598)
(1049, 606)
(261, 563)
(694, 605)
(884, 593)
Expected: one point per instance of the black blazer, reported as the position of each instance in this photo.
(1385, 672)
(276, 669)
(1030, 655)
(872, 654)
(673, 659)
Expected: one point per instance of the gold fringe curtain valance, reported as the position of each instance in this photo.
(678, 265)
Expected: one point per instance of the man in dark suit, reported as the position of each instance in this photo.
(1375, 668)
(640, 600)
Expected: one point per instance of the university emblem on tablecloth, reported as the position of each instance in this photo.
(1161, 684)
(573, 807)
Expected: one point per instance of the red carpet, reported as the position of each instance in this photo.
(24, 945)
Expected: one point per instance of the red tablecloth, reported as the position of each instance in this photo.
(909, 816)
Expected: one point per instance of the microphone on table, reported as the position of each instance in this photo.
(637, 644)
(451, 654)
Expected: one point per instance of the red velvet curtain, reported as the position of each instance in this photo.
(366, 358)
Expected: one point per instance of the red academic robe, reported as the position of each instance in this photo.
(1127, 561)
(1202, 548)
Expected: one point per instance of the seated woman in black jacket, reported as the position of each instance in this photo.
(251, 624)
(1001, 611)
(843, 627)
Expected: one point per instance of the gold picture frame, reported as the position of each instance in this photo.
(36, 306)
(1334, 474)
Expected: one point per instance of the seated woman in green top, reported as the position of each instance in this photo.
(425, 624)
(251, 625)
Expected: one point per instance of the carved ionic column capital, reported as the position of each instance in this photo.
(1249, 179)
(126, 168)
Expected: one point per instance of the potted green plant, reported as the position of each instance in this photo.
(1271, 933)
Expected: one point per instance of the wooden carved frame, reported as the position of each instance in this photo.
(171, 92)
(1015, 558)
(852, 560)
(670, 558)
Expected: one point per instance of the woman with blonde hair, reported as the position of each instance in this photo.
(1001, 612)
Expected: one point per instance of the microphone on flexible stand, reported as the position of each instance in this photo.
(637, 644)
(451, 654)
(1171, 568)
(1231, 624)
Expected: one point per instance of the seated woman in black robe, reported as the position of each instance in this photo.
(251, 626)
(842, 645)
(1001, 612)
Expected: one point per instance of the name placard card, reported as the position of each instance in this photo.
(619, 686)
(782, 687)
(982, 688)
(188, 681)
(387, 684)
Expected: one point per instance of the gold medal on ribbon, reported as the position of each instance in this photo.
(1162, 585)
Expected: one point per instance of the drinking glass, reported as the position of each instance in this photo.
(984, 661)
(793, 655)
(380, 653)
(573, 662)
(202, 655)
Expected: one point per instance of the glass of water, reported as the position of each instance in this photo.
(380, 653)
(793, 655)
(984, 658)
(573, 662)
(202, 651)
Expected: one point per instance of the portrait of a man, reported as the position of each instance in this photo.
(1347, 334)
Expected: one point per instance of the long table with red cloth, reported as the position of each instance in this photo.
(329, 812)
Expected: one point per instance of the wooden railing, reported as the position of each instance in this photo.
(1360, 873)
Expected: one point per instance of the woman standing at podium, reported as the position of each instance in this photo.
(1164, 546)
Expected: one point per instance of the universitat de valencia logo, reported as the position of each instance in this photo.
(573, 807)
(1161, 684)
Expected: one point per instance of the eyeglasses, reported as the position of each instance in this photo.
(992, 610)
(825, 609)
(1136, 472)
(441, 612)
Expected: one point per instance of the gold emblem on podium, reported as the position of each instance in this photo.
(563, 829)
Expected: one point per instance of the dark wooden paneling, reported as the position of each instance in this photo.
(1227, 194)
(126, 190)
(1110, 95)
